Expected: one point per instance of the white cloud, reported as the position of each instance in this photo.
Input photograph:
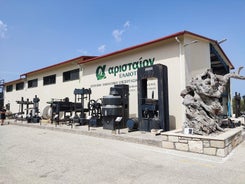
(3, 29)
(102, 48)
(126, 24)
(117, 33)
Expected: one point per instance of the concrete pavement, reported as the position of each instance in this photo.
(34, 155)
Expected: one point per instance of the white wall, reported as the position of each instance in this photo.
(59, 90)
(197, 57)
(166, 52)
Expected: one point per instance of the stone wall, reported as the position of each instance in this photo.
(220, 145)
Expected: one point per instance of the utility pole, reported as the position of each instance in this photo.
(1, 93)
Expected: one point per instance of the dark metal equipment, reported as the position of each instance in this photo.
(229, 123)
(95, 113)
(237, 104)
(58, 106)
(243, 109)
(133, 124)
(23, 103)
(21, 115)
(68, 108)
(153, 113)
(31, 113)
(34, 113)
(79, 106)
(115, 107)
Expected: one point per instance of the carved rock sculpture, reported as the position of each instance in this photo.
(202, 100)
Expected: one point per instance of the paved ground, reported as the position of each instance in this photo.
(32, 155)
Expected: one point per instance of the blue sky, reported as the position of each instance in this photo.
(36, 34)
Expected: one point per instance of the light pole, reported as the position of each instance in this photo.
(222, 41)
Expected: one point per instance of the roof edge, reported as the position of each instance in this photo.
(87, 59)
(158, 40)
(136, 46)
(58, 64)
(13, 81)
(218, 45)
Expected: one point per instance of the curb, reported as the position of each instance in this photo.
(120, 137)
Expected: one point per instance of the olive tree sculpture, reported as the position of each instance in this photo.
(202, 100)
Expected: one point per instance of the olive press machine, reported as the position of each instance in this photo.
(153, 113)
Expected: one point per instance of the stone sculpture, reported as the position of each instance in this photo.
(202, 100)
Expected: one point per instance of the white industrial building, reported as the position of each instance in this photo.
(184, 53)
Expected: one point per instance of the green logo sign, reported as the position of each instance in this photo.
(100, 72)
(129, 68)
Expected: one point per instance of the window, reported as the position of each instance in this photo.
(71, 75)
(32, 83)
(9, 88)
(51, 79)
(19, 86)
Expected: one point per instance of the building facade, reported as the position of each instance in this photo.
(184, 53)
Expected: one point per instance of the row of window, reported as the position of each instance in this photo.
(51, 79)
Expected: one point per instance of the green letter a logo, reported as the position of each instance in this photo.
(100, 72)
